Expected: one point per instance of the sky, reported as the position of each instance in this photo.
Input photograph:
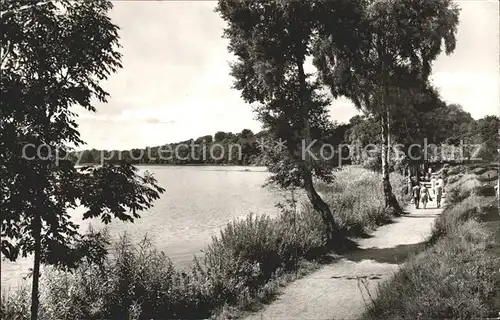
(175, 82)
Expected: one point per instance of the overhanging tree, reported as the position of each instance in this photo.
(396, 42)
(272, 40)
(414, 122)
(54, 54)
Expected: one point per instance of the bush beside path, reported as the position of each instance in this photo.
(344, 288)
(241, 269)
(457, 276)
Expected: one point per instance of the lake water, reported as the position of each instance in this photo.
(197, 203)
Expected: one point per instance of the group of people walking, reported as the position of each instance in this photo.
(422, 195)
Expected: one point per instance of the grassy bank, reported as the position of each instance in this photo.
(244, 266)
(457, 276)
(357, 200)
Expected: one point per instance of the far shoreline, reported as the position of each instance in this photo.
(180, 165)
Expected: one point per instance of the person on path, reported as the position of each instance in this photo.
(424, 195)
(497, 187)
(416, 195)
(433, 185)
(439, 193)
(440, 182)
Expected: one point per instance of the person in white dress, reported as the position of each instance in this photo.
(440, 182)
(425, 197)
(433, 185)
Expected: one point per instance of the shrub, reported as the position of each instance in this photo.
(135, 281)
(16, 304)
(452, 280)
(244, 264)
(467, 198)
(357, 200)
(454, 215)
(456, 276)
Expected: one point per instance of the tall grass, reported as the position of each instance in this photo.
(16, 304)
(244, 265)
(455, 277)
(357, 200)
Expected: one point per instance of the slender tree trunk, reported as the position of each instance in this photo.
(318, 204)
(409, 182)
(37, 220)
(388, 136)
(296, 258)
(36, 266)
(389, 198)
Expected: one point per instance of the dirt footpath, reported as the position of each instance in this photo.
(339, 290)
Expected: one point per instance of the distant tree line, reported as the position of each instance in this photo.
(223, 148)
(443, 126)
(377, 54)
(444, 133)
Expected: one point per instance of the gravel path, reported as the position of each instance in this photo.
(339, 290)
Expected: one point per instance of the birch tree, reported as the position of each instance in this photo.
(396, 42)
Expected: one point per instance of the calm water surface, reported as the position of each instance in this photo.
(197, 203)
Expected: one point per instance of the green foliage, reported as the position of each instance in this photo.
(452, 280)
(37, 96)
(469, 196)
(388, 60)
(271, 49)
(246, 263)
(356, 198)
(392, 49)
(236, 149)
(56, 53)
(271, 41)
(15, 305)
(444, 127)
(487, 133)
(456, 277)
(470, 208)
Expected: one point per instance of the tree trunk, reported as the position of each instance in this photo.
(389, 198)
(36, 267)
(37, 220)
(318, 204)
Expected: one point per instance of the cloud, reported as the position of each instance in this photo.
(157, 121)
(175, 73)
(129, 116)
